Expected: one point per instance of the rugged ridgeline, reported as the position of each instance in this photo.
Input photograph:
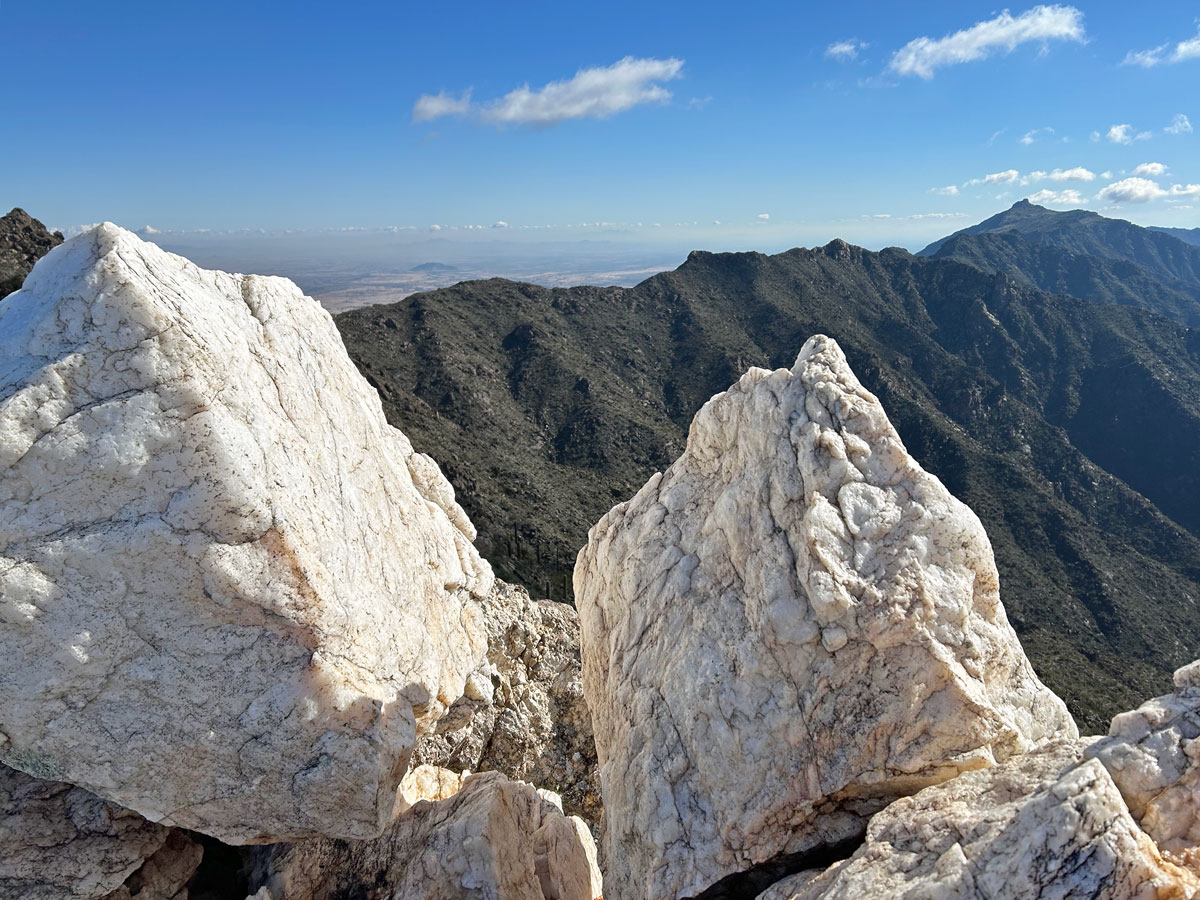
(1084, 254)
(1190, 235)
(23, 241)
(248, 651)
(1071, 428)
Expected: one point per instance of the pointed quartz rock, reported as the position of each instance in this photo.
(231, 596)
(790, 627)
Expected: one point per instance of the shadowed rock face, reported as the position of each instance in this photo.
(481, 837)
(57, 840)
(791, 626)
(232, 596)
(23, 241)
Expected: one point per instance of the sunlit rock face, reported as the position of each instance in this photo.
(1045, 824)
(231, 596)
(1153, 753)
(791, 626)
(478, 837)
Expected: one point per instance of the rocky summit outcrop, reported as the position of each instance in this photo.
(491, 839)
(524, 713)
(58, 841)
(23, 241)
(789, 628)
(231, 595)
(1045, 824)
(1153, 753)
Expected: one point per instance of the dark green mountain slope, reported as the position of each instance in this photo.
(1188, 235)
(1134, 253)
(1072, 429)
(1052, 268)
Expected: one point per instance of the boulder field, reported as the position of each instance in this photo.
(248, 650)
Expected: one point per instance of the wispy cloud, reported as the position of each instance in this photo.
(1179, 125)
(1008, 176)
(1124, 134)
(1165, 53)
(1066, 197)
(845, 51)
(591, 94)
(948, 191)
(434, 106)
(1005, 33)
(1031, 136)
(1152, 169)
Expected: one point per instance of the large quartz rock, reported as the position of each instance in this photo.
(59, 841)
(493, 839)
(524, 714)
(789, 628)
(231, 596)
(1153, 754)
(1047, 824)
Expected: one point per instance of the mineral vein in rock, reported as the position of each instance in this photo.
(230, 594)
(788, 628)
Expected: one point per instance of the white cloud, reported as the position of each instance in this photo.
(1031, 136)
(1006, 177)
(845, 51)
(1094, 136)
(592, 93)
(1078, 173)
(1143, 136)
(1132, 190)
(1185, 190)
(1106, 175)
(1165, 53)
(948, 191)
(1181, 124)
(434, 106)
(500, 224)
(1153, 169)
(762, 217)
(1119, 134)
(1068, 197)
(1042, 23)
(435, 227)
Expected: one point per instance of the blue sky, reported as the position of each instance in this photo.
(309, 116)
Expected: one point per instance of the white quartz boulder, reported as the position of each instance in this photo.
(479, 837)
(1153, 754)
(791, 626)
(231, 596)
(1047, 824)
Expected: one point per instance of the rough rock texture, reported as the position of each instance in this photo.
(165, 875)
(23, 241)
(524, 714)
(1046, 824)
(493, 840)
(231, 594)
(1153, 755)
(790, 627)
(59, 841)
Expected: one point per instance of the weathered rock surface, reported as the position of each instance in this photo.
(494, 839)
(231, 595)
(789, 628)
(166, 874)
(1045, 824)
(1153, 755)
(59, 841)
(23, 241)
(524, 714)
